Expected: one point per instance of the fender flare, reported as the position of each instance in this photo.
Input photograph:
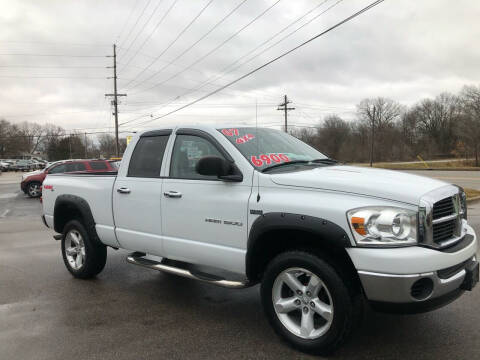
(80, 205)
(327, 232)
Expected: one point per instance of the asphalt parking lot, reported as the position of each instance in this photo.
(130, 312)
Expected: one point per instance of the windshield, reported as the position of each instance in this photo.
(268, 147)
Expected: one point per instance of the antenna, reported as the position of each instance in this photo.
(258, 144)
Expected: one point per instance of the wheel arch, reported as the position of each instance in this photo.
(275, 233)
(72, 207)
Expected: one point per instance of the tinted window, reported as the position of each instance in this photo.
(98, 165)
(80, 167)
(187, 151)
(57, 169)
(71, 167)
(147, 157)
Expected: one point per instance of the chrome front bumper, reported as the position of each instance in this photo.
(411, 288)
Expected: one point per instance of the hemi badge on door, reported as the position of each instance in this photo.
(256, 212)
(237, 223)
(215, 221)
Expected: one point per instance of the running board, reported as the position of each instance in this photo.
(138, 259)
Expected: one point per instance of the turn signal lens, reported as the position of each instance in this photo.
(358, 224)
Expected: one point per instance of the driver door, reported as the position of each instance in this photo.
(204, 219)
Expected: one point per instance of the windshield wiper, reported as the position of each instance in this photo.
(325, 161)
(286, 163)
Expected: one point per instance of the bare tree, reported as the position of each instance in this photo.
(379, 113)
(437, 120)
(332, 135)
(470, 126)
(307, 135)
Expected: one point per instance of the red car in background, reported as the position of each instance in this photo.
(32, 182)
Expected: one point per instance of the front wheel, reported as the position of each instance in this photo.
(83, 258)
(307, 302)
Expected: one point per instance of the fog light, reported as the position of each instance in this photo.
(422, 289)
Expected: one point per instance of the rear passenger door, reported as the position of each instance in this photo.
(137, 196)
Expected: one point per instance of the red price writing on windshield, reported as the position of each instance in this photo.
(268, 159)
(244, 139)
(230, 132)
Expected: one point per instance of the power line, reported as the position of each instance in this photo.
(174, 40)
(201, 38)
(143, 27)
(52, 67)
(50, 77)
(211, 51)
(128, 20)
(216, 78)
(151, 34)
(60, 135)
(347, 19)
(53, 43)
(136, 22)
(52, 55)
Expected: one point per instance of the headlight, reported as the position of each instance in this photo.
(383, 226)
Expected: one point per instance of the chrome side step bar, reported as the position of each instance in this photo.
(138, 259)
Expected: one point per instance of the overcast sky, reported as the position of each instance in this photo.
(402, 49)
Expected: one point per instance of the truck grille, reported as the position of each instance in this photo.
(444, 231)
(441, 217)
(442, 208)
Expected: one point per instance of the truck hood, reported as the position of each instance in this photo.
(380, 183)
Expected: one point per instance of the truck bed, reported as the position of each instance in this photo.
(94, 188)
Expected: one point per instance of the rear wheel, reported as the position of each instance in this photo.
(34, 190)
(307, 302)
(83, 258)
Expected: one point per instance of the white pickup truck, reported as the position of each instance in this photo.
(237, 206)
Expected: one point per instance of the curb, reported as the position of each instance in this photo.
(473, 200)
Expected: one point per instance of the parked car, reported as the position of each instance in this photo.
(23, 165)
(31, 183)
(11, 163)
(4, 166)
(259, 206)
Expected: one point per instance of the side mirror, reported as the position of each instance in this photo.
(216, 166)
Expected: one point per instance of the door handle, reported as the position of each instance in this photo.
(173, 194)
(123, 190)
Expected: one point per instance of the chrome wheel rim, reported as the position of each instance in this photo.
(34, 189)
(75, 249)
(302, 303)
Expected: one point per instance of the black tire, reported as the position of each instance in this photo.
(344, 310)
(95, 256)
(33, 189)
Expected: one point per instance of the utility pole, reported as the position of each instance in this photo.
(70, 145)
(284, 107)
(86, 145)
(115, 97)
(373, 136)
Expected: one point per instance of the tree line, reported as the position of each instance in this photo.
(385, 130)
(53, 142)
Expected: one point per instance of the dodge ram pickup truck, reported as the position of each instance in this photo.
(238, 206)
